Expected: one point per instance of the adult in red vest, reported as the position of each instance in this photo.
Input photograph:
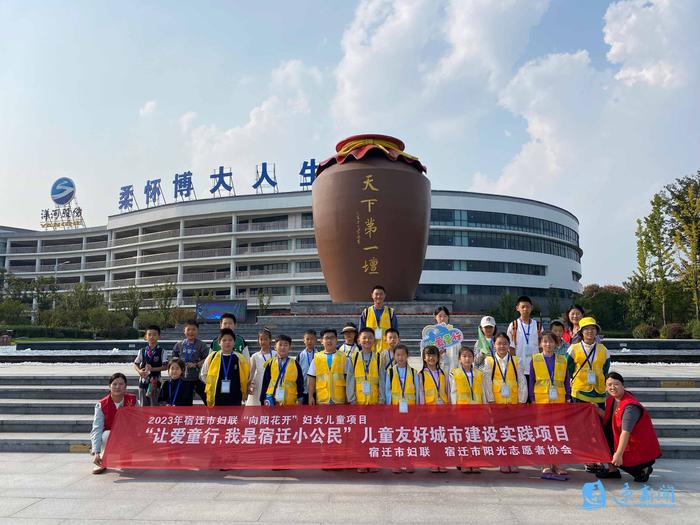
(105, 411)
(629, 431)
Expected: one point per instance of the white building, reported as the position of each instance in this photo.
(479, 247)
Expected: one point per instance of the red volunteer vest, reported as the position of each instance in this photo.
(643, 445)
(109, 409)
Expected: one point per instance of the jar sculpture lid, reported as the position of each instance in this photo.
(358, 146)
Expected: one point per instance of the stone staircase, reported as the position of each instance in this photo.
(43, 413)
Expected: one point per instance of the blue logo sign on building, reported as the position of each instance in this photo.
(63, 191)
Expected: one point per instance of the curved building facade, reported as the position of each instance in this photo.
(479, 247)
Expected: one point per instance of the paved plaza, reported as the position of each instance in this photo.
(42, 489)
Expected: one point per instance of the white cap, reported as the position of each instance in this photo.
(487, 320)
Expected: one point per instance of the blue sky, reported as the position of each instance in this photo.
(587, 105)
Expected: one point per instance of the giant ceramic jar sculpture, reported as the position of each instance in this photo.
(371, 209)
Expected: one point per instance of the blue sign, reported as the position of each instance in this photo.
(308, 173)
(264, 177)
(63, 191)
(220, 180)
(126, 197)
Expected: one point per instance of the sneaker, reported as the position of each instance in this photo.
(609, 474)
(410, 470)
(396, 470)
(98, 470)
(644, 477)
(362, 470)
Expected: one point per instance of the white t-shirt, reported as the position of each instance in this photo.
(526, 342)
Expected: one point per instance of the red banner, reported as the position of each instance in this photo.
(344, 436)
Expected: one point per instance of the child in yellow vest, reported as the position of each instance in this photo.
(588, 362)
(379, 318)
(328, 372)
(283, 379)
(403, 386)
(467, 387)
(504, 379)
(225, 374)
(434, 381)
(549, 383)
(363, 380)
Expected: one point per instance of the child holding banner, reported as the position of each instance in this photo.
(549, 383)
(257, 366)
(467, 388)
(328, 372)
(176, 392)
(403, 386)
(434, 383)
(508, 384)
(225, 374)
(484, 343)
(283, 380)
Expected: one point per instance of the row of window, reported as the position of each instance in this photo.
(507, 241)
(478, 289)
(484, 266)
(308, 289)
(502, 221)
(302, 266)
(304, 243)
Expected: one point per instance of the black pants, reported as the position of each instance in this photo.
(636, 470)
(199, 389)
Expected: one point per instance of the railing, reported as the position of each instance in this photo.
(242, 250)
(205, 230)
(95, 245)
(206, 276)
(308, 270)
(65, 286)
(121, 282)
(61, 248)
(125, 261)
(158, 279)
(125, 240)
(169, 256)
(60, 267)
(307, 224)
(23, 249)
(165, 234)
(262, 226)
(211, 252)
(95, 264)
(22, 269)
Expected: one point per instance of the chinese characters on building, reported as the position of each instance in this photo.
(367, 226)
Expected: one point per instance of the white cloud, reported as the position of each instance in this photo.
(148, 108)
(603, 141)
(186, 120)
(279, 129)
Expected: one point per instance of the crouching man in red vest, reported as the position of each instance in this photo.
(629, 431)
(105, 411)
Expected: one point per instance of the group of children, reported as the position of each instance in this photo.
(522, 364)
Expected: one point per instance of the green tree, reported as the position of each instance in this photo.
(264, 300)
(659, 248)
(44, 290)
(640, 301)
(129, 302)
(164, 296)
(12, 311)
(73, 306)
(553, 304)
(682, 199)
(608, 304)
(505, 311)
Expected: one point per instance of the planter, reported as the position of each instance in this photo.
(371, 209)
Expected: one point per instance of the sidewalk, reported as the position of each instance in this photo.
(59, 488)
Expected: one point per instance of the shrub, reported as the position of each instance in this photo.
(645, 331)
(673, 331)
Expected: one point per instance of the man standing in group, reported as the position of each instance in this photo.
(193, 352)
(379, 318)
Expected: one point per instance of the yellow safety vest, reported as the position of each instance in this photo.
(288, 382)
(467, 395)
(384, 323)
(372, 376)
(511, 380)
(430, 391)
(213, 375)
(409, 391)
(579, 379)
(330, 383)
(543, 382)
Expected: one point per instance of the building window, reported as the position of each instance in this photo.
(425, 290)
(308, 266)
(307, 243)
(312, 289)
(502, 221)
(505, 241)
(576, 276)
(484, 266)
